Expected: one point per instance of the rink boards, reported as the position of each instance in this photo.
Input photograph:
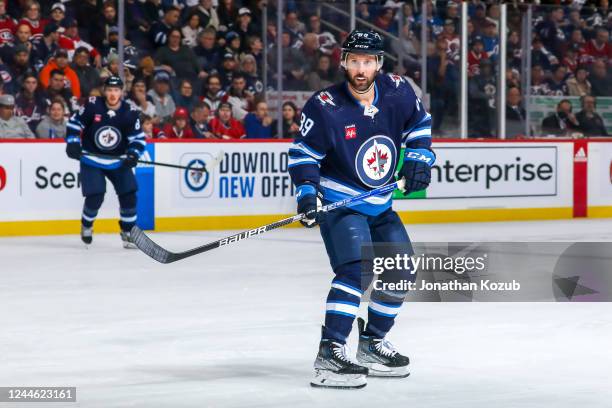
(471, 181)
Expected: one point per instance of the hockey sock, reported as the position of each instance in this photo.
(90, 209)
(127, 211)
(381, 316)
(342, 302)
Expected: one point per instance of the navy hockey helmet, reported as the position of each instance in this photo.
(363, 42)
(113, 82)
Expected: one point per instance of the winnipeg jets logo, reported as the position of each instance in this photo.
(107, 138)
(111, 113)
(376, 160)
(396, 79)
(325, 97)
(370, 111)
(196, 180)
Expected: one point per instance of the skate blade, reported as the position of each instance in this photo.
(329, 379)
(380, 370)
(129, 245)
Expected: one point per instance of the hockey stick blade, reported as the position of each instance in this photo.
(157, 252)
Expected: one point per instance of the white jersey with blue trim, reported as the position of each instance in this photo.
(108, 132)
(346, 148)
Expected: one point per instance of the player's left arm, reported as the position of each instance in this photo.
(136, 140)
(416, 139)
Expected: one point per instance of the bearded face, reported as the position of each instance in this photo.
(360, 70)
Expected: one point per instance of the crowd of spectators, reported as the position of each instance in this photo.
(195, 68)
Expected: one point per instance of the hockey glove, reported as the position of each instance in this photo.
(73, 150)
(131, 160)
(309, 203)
(416, 170)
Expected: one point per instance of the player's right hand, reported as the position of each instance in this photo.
(309, 203)
(74, 151)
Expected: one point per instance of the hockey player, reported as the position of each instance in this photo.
(107, 126)
(350, 139)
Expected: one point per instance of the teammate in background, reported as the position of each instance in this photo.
(107, 126)
(350, 139)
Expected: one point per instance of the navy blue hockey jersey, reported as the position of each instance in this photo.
(346, 148)
(105, 131)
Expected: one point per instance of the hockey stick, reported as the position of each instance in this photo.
(211, 165)
(155, 251)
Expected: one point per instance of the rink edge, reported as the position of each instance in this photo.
(166, 224)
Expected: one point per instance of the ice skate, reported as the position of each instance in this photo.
(379, 355)
(334, 368)
(86, 234)
(126, 237)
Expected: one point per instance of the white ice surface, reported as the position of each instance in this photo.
(239, 327)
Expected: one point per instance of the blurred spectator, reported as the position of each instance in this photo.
(293, 63)
(224, 126)
(46, 46)
(513, 78)
(58, 13)
(30, 103)
(185, 97)
(179, 127)
(556, 84)
(213, 93)
(482, 91)
(515, 114)
(310, 51)
(32, 18)
(191, 30)
(570, 61)
(244, 26)
(23, 35)
(149, 129)
(550, 32)
(541, 56)
(200, 116)
(385, 19)
(233, 43)
(476, 55)
(597, 48)
(538, 84)
(451, 39)
(70, 40)
(515, 51)
(258, 124)
(294, 26)
(53, 124)
(323, 76)
(442, 84)
(248, 67)
(8, 25)
(12, 127)
(579, 85)
(363, 10)
(163, 101)
(577, 42)
(160, 29)
(601, 81)
(207, 13)
(291, 126)
(240, 99)
(206, 51)
(21, 63)
(177, 58)
(60, 63)
(138, 96)
(228, 69)
(89, 77)
(452, 13)
(57, 89)
(227, 13)
(490, 40)
(146, 71)
(591, 123)
(255, 48)
(562, 121)
(409, 46)
(102, 24)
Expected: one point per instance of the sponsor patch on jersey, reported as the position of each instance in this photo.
(97, 118)
(107, 138)
(376, 160)
(325, 97)
(350, 132)
(196, 180)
